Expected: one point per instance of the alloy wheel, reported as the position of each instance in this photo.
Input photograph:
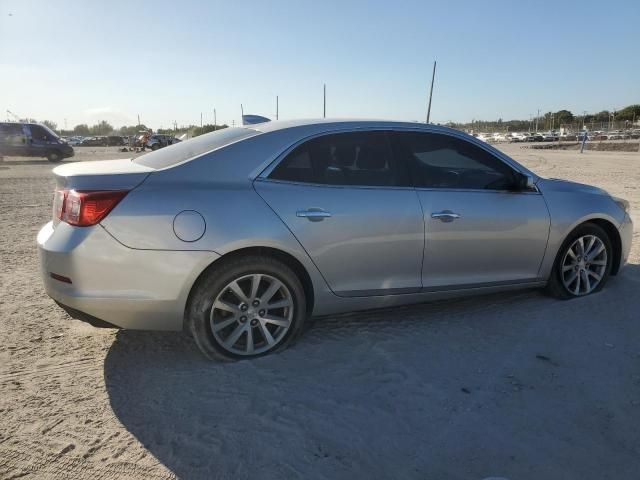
(252, 314)
(584, 264)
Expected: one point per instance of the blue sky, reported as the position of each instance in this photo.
(87, 61)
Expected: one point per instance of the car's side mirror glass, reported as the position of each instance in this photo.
(524, 182)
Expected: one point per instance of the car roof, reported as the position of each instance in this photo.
(328, 124)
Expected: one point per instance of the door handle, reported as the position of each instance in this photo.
(445, 216)
(313, 214)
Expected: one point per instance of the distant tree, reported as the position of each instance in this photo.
(602, 116)
(133, 129)
(82, 129)
(563, 117)
(632, 112)
(52, 125)
(102, 128)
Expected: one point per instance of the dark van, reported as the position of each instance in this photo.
(32, 140)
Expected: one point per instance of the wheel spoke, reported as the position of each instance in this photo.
(598, 262)
(580, 245)
(572, 254)
(249, 347)
(235, 288)
(597, 250)
(590, 243)
(594, 275)
(282, 322)
(266, 334)
(572, 277)
(279, 304)
(235, 335)
(226, 306)
(566, 268)
(576, 290)
(255, 283)
(225, 323)
(587, 282)
(271, 291)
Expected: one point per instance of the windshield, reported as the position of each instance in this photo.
(194, 147)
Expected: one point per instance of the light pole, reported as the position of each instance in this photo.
(215, 120)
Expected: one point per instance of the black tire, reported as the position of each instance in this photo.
(556, 287)
(213, 283)
(155, 147)
(54, 156)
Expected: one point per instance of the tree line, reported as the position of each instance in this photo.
(626, 117)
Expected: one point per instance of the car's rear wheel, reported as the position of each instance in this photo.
(54, 156)
(583, 263)
(155, 147)
(245, 308)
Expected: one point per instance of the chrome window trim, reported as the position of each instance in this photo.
(264, 175)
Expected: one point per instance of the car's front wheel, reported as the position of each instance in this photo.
(54, 156)
(583, 263)
(245, 308)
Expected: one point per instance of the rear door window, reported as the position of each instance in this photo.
(357, 159)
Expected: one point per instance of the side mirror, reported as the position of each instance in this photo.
(524, 182)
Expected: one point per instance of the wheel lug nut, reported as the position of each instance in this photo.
(243, 319)
(254, 322)
(244, 307)
(255, 303)
(261, 313)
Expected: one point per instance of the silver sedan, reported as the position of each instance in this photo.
(240, 235)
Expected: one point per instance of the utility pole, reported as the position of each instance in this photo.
(276, 107)
(324, 101)
(433, 77)
(241, 114)
(200, 120)
(139, 120)
(215, 120)
(537, 120)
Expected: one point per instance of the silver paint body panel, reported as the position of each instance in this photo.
(379, 248)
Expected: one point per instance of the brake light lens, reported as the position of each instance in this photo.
(85, 208)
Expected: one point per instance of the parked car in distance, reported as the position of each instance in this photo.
(98, 141)
(568, 136)
(159, 140)
(115, 141)
(533, 137)
(550, 137)
(239, 235)
(32, 140)
(75, 140)
(518, 137)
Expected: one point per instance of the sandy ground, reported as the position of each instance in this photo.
(516, 385)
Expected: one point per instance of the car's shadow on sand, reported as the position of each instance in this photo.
(514, 385)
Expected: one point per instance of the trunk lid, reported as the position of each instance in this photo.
(101, 175)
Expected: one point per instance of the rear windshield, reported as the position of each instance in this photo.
(180, 152)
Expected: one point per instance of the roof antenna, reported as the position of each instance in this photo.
(433, 77)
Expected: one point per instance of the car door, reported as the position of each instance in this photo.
(348, 202)
(479, 230)
(39, 141)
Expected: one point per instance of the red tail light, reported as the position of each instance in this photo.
(85, 208)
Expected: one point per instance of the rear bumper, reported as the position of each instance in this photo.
(128, 288)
